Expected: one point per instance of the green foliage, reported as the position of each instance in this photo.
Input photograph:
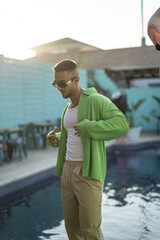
(132, 110)
(138, 104)
(157, 99)
(154, 111)
(145, 118)
(135, 106)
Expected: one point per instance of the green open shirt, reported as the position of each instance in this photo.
(99, 120)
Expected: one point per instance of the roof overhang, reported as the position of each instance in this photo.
(133, 72)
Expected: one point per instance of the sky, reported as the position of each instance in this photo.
(106, 24)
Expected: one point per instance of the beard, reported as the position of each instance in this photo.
(68, 93)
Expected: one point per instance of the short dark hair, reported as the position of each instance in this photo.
(65, 65)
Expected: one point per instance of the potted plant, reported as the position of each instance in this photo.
(134, 131)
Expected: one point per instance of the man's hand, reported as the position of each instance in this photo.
(52, 137)
(76, 131)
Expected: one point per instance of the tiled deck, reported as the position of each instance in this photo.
(17, 173)
(36, 161)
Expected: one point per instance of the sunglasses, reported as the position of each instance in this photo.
(62, 83)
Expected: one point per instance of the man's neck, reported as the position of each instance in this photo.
(76, 97)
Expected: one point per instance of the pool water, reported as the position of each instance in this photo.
(130, 206)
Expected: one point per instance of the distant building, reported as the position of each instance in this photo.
(121, 65)
(63, 46)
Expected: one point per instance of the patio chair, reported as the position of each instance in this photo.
(34, 138)
(3, 147)
(19, 144)
(44, 134)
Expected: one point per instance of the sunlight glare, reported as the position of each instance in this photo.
(19, 53)
(104, 24)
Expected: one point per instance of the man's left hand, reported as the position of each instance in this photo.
(76, 131)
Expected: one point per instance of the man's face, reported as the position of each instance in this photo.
(64, 78)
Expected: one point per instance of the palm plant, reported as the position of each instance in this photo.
(154, 111)
(132, 112)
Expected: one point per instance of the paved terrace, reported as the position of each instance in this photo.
(40, 165)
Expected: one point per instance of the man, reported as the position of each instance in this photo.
(87, 121)
(154, 29)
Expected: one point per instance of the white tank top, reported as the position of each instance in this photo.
(74, 144)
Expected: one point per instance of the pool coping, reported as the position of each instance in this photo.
(133, 147)
(18, 190)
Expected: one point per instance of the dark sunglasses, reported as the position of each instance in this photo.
(62, 83)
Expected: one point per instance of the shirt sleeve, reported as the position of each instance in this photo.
(112, 124)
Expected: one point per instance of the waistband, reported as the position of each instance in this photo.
(75, 163)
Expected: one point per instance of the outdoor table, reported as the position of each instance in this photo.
(43, 125)
(11, 131)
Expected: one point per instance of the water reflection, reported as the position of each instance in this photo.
(131, 204)
(131, 199)
(134, 173)
(31, 217)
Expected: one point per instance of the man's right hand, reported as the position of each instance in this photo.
(52, 137)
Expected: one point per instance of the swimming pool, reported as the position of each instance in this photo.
(130, 207)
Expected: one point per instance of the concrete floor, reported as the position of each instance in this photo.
(36, 161)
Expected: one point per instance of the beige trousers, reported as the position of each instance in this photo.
(81, 202)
